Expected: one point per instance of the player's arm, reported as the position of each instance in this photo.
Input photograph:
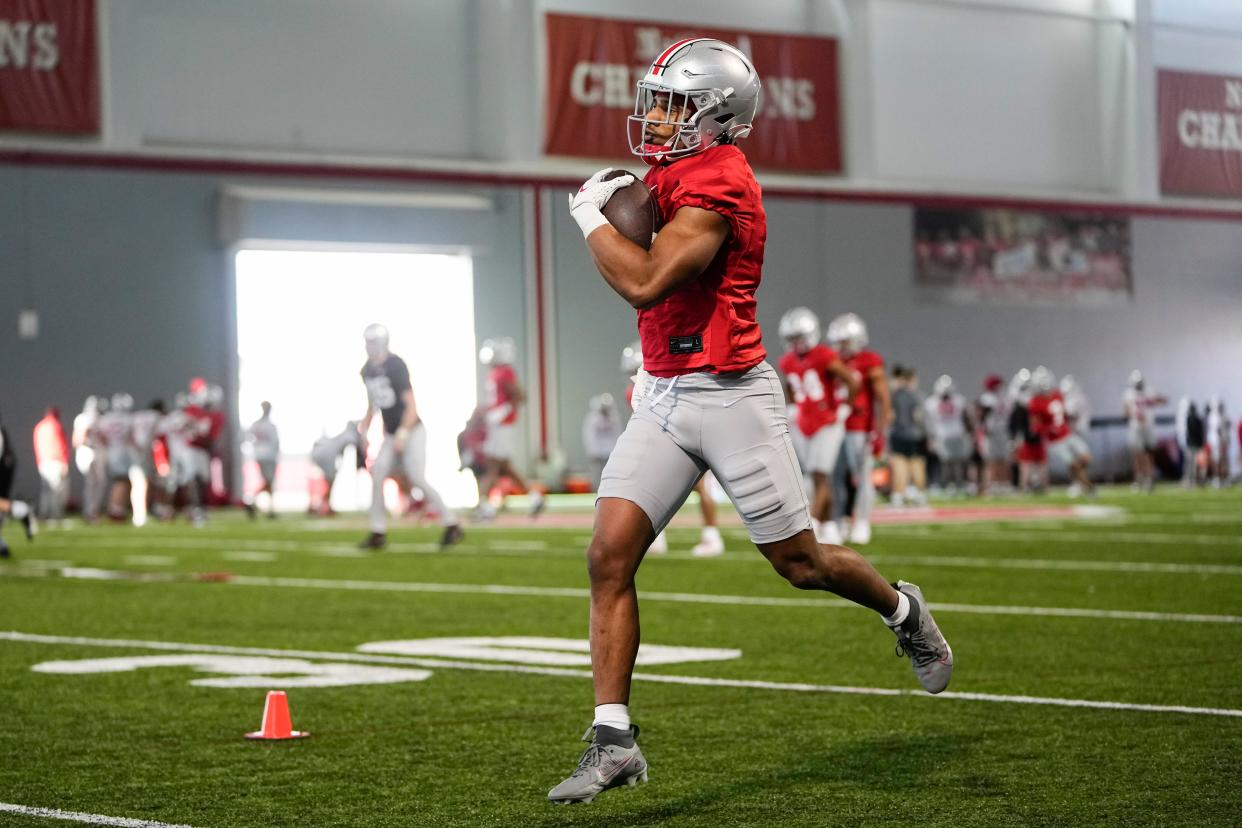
(513, 392)
(847, 375)
(682, 251)
(884, 418)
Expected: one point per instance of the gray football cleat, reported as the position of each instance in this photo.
(612, 760)
(920, 639)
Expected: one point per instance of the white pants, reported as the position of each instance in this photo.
(55, 489)
(859, 463)
(819, 452)
(412, 463)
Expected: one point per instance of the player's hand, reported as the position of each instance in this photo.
(586, 204)
(878, 444)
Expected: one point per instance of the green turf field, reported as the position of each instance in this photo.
(1140, 610)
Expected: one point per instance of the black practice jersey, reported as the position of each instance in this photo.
(385, 385)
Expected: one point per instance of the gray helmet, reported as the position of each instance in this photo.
(1136, 378)
(800, 328)
(499, 351)
(632, 357)
(714, 87)
(1042, 379)
(1068, 385)
(848, 333)
(943, 385)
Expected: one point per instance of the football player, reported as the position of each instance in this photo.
(326, 456)
(51, 451)
(1216, 435)
(114, 429)
(992, 416)
(88, 457)
(16, 509)
(404, 449)
(705, 397)
(1139, 404)
(870, 416)
(263, 441)
(504, 397)
(148, 488)
(947, 434)
(812, 373)
(711, 542)
(1030, 452)
(1050, 418)
(601, 428)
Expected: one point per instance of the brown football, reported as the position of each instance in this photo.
(633, 210)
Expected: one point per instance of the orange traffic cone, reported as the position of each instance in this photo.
(276, 721)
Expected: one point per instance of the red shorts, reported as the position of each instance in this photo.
(1032, 453)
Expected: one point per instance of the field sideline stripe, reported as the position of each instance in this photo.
(658, 678)
(732, 600)
(90, 819)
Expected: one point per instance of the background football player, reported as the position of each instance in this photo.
(705, 397)
(1048, 410)
(325, 455)
(263, 442)
(1140, 405)
(867, 425)
(812, 373)
(948, 433)
(404, 450)
(51, 450)
(504, 397)
(16, 509)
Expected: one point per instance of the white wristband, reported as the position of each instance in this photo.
(589, 218)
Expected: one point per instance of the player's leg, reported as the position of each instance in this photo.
(747, 446)
(385, 459)
(857, 449)
(646, 480)
(414, 462)
(900, 464)
(711, 544)
(822, 450)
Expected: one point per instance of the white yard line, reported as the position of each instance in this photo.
(963, 532)
(1053, 564)
(658, 678)
(150, 560)
(89, 819)
(701, 598)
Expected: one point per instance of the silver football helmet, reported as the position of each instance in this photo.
(1020, 385)
(601, 403)
(711, 85)
(848, 333)
(632, 358)
(800, 329)
(1136, 379)
(943, 385)
(1042, 379)
(1068, 385)
(499, 351)
(122, 402)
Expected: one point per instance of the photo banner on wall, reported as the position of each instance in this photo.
(1022, 257)
(1200, 134)
(594, 63)
(49, 66)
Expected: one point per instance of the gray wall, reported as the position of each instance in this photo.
(131, 280)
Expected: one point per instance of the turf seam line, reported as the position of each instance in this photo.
(698, 681)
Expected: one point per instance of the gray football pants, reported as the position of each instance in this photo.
(734, 425)
(413, 464)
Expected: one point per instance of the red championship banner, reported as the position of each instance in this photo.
(1200, 134)
(594, 62)
(49, 66)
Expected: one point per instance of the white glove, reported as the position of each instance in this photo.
(591, 197)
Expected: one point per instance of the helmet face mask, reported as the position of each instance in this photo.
(711, 88)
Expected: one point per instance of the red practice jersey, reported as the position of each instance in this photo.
(862, 416)
(1048, 416)
(499, 380)
(814, 387)
(708, 324)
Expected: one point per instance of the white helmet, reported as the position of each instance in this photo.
(601, 402)
(1020, 385)
(632, 357)
(1136, 378)
(1069, 385)
(848, 333)
(943, 385)
(499, 351)
(800, 329)
(91, 405)
(1042, 379)
(711, 84)
(122, 402)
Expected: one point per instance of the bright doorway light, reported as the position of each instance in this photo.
(300, 316)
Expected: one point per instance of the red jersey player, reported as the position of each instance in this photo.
(1048, 418)
(813, 374)
(870, 417)
(504, 396)
(705, 399)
